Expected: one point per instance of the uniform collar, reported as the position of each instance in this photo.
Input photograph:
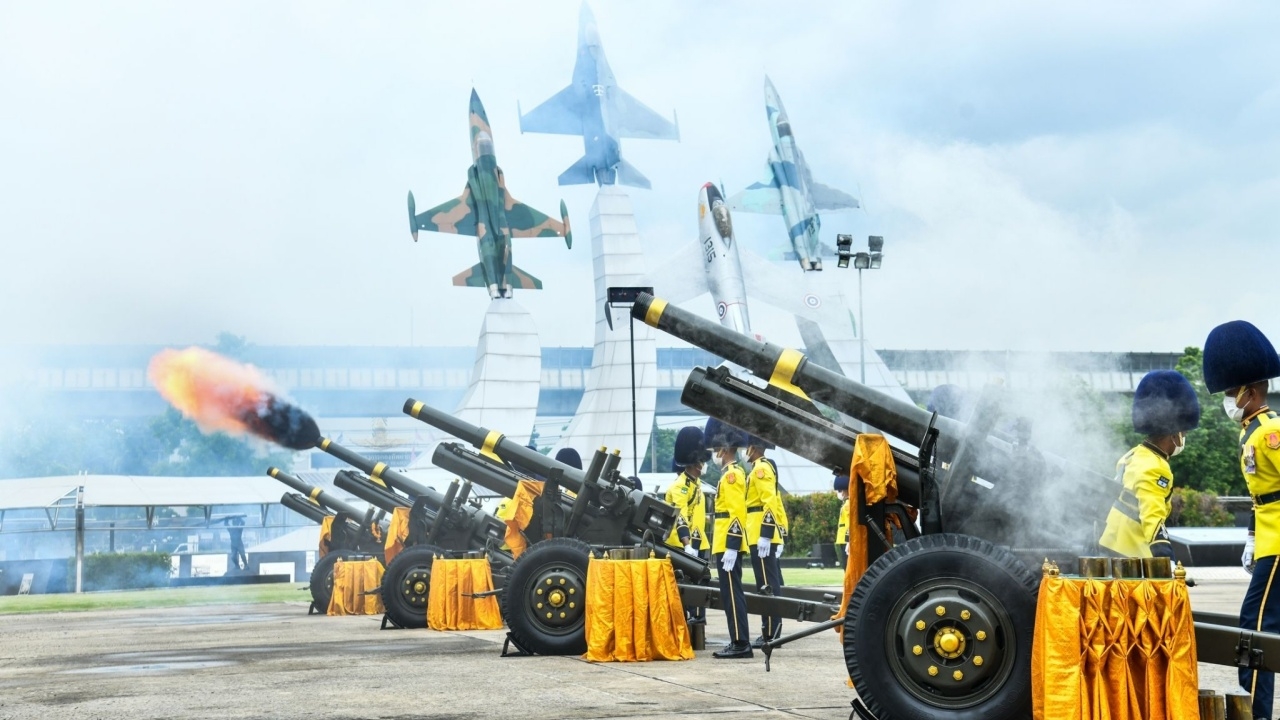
(1151, 446)
(1262, 410)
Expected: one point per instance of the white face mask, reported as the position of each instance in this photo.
(1234, 412)
(1181, 443)
(743, 458)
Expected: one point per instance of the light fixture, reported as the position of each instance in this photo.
(844, 250)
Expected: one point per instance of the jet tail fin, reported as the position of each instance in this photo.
(629, 175)
(518, 278)
(579, 173)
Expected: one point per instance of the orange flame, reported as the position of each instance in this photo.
(214, 391)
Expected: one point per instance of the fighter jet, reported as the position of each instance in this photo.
(594, 107)
(790, 190)
(486, 210)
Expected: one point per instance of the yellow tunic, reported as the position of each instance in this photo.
(1260, 463)
(731, 510)
(686, 495)
(1137, 518)
(765, 513)
(842, 529)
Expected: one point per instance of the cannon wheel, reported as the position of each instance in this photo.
(406, 584)
(322, 577)
(544, 604)
(941, 627)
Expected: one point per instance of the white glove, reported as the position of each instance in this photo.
(1247, 558)
(729, 560)
(691, 550)
(763, 546)
(778, 548)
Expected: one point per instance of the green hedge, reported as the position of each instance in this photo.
(1192, 508)
(813, 519)
(122, 571)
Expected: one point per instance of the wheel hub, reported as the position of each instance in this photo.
(416, 585)
(557, 598)
(947, 640)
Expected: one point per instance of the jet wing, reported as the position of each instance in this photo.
(812, 298)
(634, 120)
(561, 114)
(525, 221)
(762, 197)
(681, 277)
(828, 198)
(452, 216)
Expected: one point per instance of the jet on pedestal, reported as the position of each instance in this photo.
(487, 210)
(594, 107)
(790, 190)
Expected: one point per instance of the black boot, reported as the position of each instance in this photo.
(734, 652)
(758, 642)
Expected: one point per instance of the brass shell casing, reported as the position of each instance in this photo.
(1094, 567)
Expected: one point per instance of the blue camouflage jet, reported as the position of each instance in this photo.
(594, 107)
(790, 190)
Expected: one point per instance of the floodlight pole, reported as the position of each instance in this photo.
(79, 539)
(635, 468)
(862, 334)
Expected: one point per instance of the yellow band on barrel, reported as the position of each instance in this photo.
(490, 442)
(655, 312)
(315, 493)
(324, 443)
(376, 475)
(275, 472)
(784, 369)
(417, 408)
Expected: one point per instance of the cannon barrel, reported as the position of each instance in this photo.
(376, 495)
(378, 472)
(789, 370)
(719, 394)
(313, 493)
(304, 507)
(494, 444)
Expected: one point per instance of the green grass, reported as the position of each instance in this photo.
(812, 577)
(163, 597)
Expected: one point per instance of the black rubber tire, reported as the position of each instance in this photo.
(566, 557)
(322, 579)
(403, 611)
(990, 577)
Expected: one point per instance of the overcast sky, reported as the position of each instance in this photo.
(1076, 176)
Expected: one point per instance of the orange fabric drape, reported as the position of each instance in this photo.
(352, 581)
(1113, 650)
(872, 465)
(397, 532)
(449, 608)
(326, 532)
(634, 612)
(518, 513)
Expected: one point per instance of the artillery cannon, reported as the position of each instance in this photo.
(604, 512)
(438, 526)
(351, 533)
(962, 581)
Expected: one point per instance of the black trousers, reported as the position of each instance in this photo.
(768, 572)
(1260, 611)
(734, 601)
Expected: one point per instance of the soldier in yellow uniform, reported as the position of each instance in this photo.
(1240, 360)
(1165, 408)
(841, 486)
(729, 537)
(685, 494)
(766, 529)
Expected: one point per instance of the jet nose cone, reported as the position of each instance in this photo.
(477, 107)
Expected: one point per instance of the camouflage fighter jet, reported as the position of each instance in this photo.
(790, 190)
(487, 210)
